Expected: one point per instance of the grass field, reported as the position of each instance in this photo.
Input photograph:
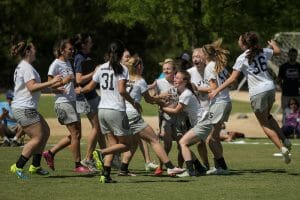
(255, 174)
(46, 107)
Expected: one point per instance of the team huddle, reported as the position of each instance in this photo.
(193, 104)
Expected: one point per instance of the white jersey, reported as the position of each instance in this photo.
(211, 74)
(257, 75)
(136, 89)
(23, 98)
(191, 106)
(59, 67)
(163, 86)
(110, 96)
(198, 80)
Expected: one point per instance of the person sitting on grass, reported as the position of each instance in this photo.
(10, 130)
(291, 125)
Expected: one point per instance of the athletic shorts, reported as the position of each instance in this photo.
(66, 112)
(26, 116)
(219, 112)
(113, 121)
(136, 122)
(93, 106)
(176, 124)
(263, 101)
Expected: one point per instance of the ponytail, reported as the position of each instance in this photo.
(251, 41)
(115, 52)
(19, 50)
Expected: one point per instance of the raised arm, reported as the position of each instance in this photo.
(274, 46)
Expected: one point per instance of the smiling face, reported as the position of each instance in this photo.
(198, 59)
(169, 71)
(68, 51)
(179, 80)
(125, 57)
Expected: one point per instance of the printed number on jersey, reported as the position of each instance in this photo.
(260, 65)
(108, 81)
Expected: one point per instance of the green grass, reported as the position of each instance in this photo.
(46, 107)
(255, 174)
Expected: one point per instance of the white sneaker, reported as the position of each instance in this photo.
(285, 153)
(287, 143)
(175, 171)
(217, 171)
(182, 175)
(90, 164)
(150, 166)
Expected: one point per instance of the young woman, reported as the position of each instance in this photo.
(24, 107)
(189, 104)
(164, 89)
(112, 77)
(253, 63)
(84, 70)
(219, 109)
(138, 88)
(65, 107)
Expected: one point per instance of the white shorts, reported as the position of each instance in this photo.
(26, 116)
(113, 121)
(136, 122)
(66, 112)
(263, 101)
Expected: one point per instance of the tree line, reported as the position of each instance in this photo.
(153, 28)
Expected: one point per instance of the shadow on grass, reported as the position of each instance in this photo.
(90, 175)
(260, 171)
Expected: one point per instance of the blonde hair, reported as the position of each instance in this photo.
(133, 63)
(215, 53)
(19, 50)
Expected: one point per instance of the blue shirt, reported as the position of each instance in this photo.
(7, 121)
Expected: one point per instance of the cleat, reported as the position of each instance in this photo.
(125, 173)
(174, 171)
(285, 153)
(201, 171)
(104, 179)
(15, 143)
(37, 170)
(81, 169)
(158, 172)
(287, 143)
(6, 143)
(18, 171)
(49, 159)
(217, 171)
(98, 158)
(90, 164)
(150, 166)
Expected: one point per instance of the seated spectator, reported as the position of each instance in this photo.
(229, 136)
(291, 125)
(10, 131)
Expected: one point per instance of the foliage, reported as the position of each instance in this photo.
(154, 29)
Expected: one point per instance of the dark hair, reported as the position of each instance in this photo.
(79, 39)
(295, 100)
(293, 50)
(187, 78)
(20, 48)
(60, 46)
(251, 41)
(115, 52)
